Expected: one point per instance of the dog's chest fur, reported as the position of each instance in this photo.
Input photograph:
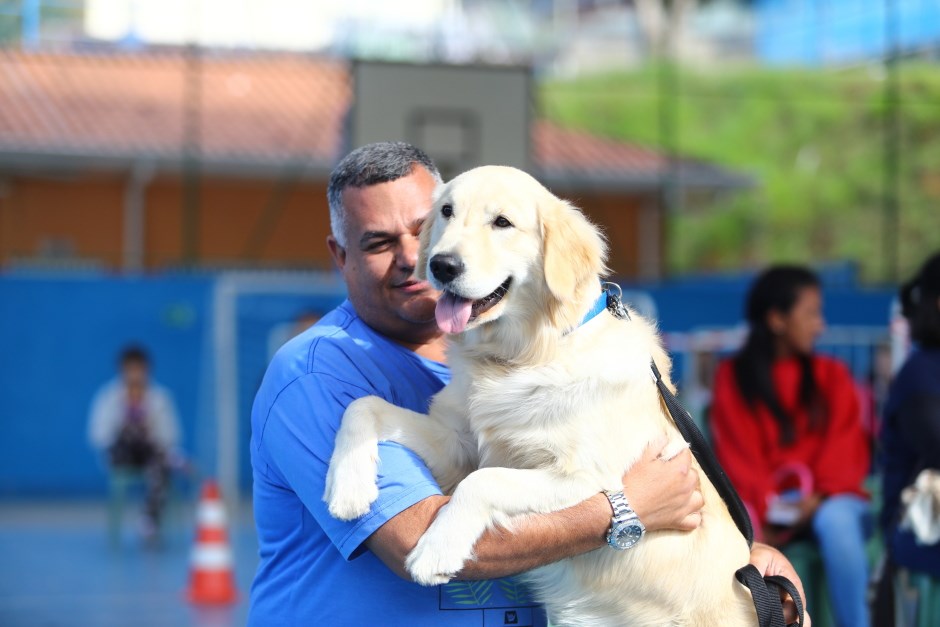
(569, 414)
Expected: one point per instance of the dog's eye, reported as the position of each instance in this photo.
(447, 211)
(501, 222)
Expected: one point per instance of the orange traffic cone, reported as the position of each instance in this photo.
(211, 581)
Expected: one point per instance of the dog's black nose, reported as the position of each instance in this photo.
(446, 268)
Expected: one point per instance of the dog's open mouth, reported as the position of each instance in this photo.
(454, 312)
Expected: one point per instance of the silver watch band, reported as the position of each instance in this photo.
(618, 503)
(626, 530)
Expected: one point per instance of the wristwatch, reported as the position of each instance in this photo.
(625, 526)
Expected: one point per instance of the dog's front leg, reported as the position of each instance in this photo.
(487, 498)
(351, 479)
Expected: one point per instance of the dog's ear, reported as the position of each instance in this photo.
(424, 242)
(574, 252)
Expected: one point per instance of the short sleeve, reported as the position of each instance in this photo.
(297, 441)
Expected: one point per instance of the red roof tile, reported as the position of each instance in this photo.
(258, 110)
(254, 108)
(556, 148)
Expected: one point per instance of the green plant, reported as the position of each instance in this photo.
(817, 143)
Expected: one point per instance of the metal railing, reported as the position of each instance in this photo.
(865, 350)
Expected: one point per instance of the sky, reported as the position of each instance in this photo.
(264, 24)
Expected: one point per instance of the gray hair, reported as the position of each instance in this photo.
(371, 164)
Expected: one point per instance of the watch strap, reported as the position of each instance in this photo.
(620, 506)
(624, 517)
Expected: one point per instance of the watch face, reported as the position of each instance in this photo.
(626, 535)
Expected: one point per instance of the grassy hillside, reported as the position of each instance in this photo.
(814, 141)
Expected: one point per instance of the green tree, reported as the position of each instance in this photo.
(814, 142)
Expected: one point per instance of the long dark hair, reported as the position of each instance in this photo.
(776, 289)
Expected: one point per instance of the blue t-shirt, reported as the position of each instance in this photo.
(314, 569)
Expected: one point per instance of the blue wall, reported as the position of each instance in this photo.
(702, 302)
(59, 337)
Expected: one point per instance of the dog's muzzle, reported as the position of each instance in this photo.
(446, 267)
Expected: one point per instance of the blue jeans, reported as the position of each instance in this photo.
(842, 525)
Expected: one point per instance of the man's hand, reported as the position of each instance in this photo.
(664, 493)
(769, 561)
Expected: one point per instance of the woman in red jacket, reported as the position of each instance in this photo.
(787, 430)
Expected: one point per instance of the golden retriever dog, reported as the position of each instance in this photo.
(544, 410)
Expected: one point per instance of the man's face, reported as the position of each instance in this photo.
(378, 262)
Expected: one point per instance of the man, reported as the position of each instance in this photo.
(133, 420)
(384, 340)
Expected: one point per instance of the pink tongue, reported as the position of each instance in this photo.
(452, 313)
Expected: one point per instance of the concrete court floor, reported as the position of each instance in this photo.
(58, 569)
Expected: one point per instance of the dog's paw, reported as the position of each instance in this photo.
(351, 484)
(431, 564)
(442, 551)
(349, 505)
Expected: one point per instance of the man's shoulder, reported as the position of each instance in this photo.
(340, 347)
(339, 335)
(342, 351)
(316, 362)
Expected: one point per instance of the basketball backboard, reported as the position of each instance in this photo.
(462, 116)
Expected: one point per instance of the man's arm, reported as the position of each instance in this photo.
(664, 494)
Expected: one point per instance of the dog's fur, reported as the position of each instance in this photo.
(541, 413)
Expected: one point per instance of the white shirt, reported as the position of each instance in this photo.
(109, 407)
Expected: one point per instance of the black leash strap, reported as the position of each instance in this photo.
(765, 591)
(706, 458)
(766, 594)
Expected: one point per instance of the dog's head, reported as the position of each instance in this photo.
(502, 247)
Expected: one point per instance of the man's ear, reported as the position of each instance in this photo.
(574, 249)
(424, 243)
(337, 252)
